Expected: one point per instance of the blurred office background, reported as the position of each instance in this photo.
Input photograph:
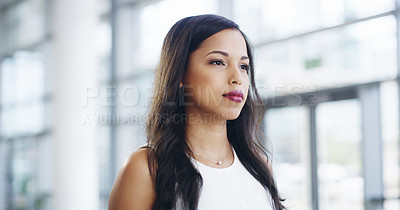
(76, 78)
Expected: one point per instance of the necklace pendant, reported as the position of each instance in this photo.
(219, 162)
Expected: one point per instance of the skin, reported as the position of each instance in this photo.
(217, 67)
(133, 188)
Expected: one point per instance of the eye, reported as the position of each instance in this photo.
(244, 67)
(217, 62)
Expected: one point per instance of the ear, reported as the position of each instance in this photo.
(180, 85)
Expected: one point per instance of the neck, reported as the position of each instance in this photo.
(207, 137)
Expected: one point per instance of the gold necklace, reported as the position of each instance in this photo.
(219, 162)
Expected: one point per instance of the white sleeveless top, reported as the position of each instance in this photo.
(232, 188)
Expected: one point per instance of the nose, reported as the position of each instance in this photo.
(235, 77)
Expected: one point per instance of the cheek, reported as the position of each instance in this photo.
(246, 82)
(207, 90)
(207, 86)
(198, 86)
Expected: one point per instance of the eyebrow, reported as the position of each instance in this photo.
(226, 54)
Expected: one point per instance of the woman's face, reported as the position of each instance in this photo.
(216, 82)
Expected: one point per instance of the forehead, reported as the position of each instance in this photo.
(229, 40)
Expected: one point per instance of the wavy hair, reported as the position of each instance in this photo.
(176, 181)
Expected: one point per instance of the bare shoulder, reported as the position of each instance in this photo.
(133, 187)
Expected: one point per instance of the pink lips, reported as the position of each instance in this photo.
(235, 95)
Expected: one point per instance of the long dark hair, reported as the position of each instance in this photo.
(176, 180)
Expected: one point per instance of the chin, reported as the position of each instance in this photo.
(232, 115)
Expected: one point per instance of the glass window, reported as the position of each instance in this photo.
(26, 17)
(22, 168)
(4, 165)
(287, 129)
(340, 181)
(22, 77)
(359, 53)
(23, 119)
(25, 171)
(7, 1)
(105, 166)
(103, 43)
(266, 20)
(155, 27)
(22, 91)
(390, 137)
(132, 100)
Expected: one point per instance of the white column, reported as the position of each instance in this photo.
(127, 50)
(73, 69)
(372, 147)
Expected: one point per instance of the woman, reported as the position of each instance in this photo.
(203, 132)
